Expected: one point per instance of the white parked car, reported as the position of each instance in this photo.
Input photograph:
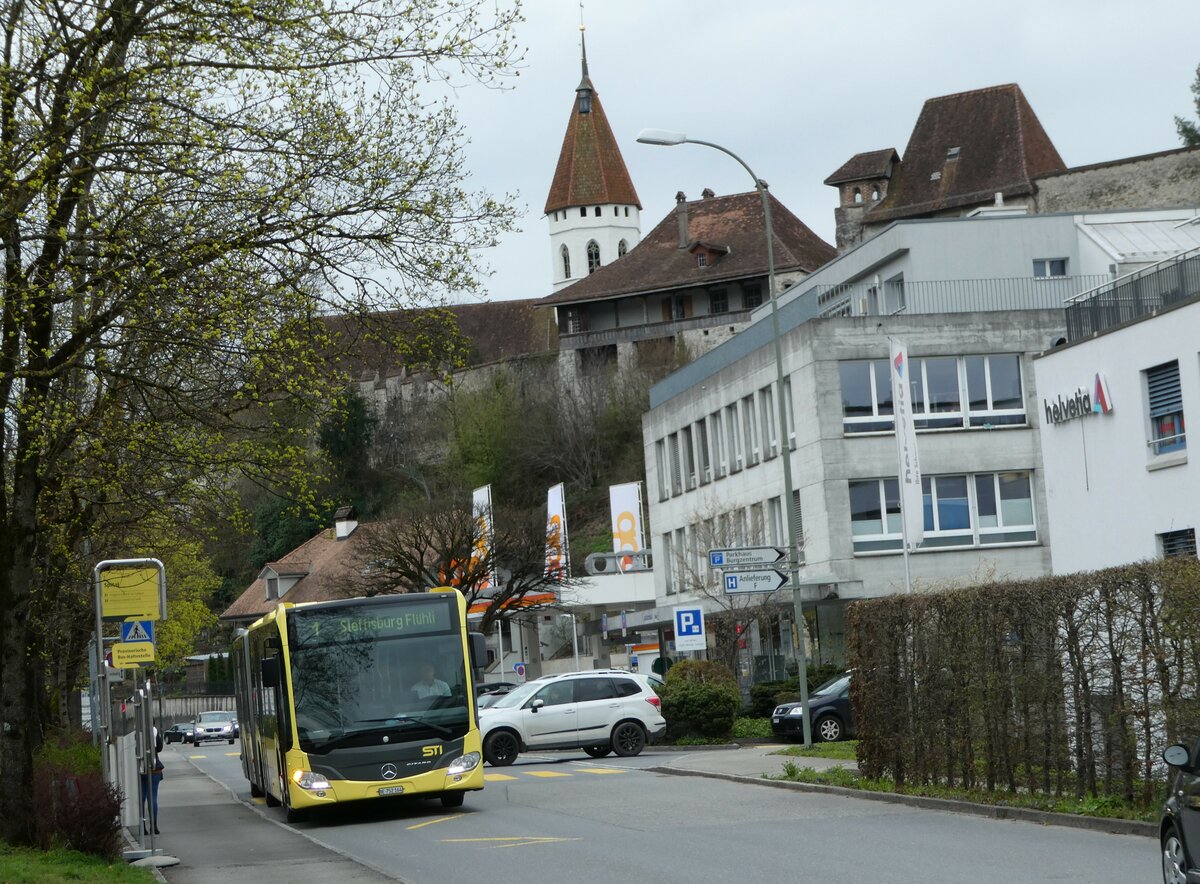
(599, 711)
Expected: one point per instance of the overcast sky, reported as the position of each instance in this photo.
(796, 87)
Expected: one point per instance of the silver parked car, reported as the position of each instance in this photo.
(215, 726)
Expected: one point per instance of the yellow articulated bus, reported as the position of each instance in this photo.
(359, 699)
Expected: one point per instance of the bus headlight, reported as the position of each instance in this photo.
(464, 763)
(306, 779)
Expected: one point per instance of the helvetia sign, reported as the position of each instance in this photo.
(1081, 404)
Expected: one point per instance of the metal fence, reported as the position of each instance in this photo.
(1131, 297)
(952, 295)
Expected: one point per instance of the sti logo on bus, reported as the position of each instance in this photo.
(431, 751)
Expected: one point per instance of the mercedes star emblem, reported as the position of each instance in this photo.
(388, 771)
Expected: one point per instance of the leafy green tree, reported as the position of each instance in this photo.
(185, 188)
(1189, 131)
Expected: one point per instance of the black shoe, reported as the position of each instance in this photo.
(144, 832)
(156, 832)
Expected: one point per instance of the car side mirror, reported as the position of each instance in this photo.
(1178, 756)
(535, 705)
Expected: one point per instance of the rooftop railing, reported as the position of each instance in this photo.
(951, 295)
(1131, 297)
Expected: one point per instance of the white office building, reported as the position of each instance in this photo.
(974, 300)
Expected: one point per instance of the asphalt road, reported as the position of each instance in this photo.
(566, 817)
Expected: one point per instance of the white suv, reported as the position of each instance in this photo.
(599, 711)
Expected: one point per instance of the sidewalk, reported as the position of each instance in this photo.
(219, 840)
(746, 761)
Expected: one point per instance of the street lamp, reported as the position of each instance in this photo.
(666, 138)
(574, 637)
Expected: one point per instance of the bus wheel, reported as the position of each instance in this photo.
(501, 748)
(255, 791)
(453, 799)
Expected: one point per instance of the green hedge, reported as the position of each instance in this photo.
(700, 699)
(1070, 684)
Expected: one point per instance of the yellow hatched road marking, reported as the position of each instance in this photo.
(496, 777)
(440, 819)
(601, 770)
(545, 773)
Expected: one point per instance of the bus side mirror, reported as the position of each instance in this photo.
(1178, 756)
(270, 672)
(477, 649)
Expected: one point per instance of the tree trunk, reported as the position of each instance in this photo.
(19, 732)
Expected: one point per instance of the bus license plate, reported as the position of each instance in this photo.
(391, 790)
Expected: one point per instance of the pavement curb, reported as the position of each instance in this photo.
(947, 805)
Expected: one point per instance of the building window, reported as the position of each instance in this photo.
(689, 458)
(766, 409)
(673, 454)
(733, 438)
(1166, 408)
(718, 301)
(667, 575)
(1045, 268)
(791, 414)
(750, 430)
(1178, 543)
(627, 211)
(702, 260)
(875, 194)
(583, 211)
(939, 386)
(706, 472)
(959, 510)
(798, 527)
(596, 212)
(752, 295)
(622, 248)
(660, 461)
(593, 256)
(566, 262)
(994, 390)
(893, 295)
(616, 211)
(857, 196)
(574, 322)
(718, 444)
(866, 396)
(775, 519)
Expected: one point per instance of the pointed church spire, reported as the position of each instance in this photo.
(591, 170)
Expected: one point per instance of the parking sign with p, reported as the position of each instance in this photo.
(689, 629)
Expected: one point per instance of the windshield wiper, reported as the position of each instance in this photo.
(404, 718)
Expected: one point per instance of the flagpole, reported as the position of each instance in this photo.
(903, 519)
(908, 471)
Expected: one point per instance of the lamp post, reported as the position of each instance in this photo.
(574, 637)
(664, 138)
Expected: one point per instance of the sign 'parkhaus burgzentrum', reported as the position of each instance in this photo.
(1081, 403)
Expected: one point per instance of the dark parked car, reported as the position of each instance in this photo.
(483, 701)
(829, 709)
(1179, 829)
(179, 733)
(482, 688)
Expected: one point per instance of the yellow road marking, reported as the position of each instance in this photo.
(259, 800)
(601, 770)
(440, 819)
(496, 777)
(545, 773)
(233, 754)
(517, 841)
(197, 756)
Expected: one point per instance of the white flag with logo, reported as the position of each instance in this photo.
(558, 552)
(911, 499)
(485, 534)
(626, 503)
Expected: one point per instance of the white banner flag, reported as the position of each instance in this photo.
(485, 536)
(626, 503)
(558, 551)
(911, 499)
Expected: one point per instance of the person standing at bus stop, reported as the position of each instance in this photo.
(150, 802)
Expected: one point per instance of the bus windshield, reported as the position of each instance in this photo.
(360, 672)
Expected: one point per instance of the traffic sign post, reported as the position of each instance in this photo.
(754, 581)
(519, 669)
(689, 629)
(745, 557)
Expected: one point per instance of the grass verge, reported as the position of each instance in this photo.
(20, 865)
(844, 751)
(1108, 808)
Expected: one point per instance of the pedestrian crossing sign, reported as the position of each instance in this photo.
(137, 631)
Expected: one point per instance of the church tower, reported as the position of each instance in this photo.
(593, 210)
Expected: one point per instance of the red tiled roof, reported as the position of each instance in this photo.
(861, 166)
(1001, 145)
(735, 222)
(334, 571)
(591, 170)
